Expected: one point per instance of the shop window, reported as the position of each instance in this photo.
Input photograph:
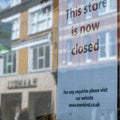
(15, 21)
(107, 41)
(87, 54)
(40, 57)
(112, 43)
(14, 2)
(40, 18)
(9, 63)
(109, 7)
(103, 45)
(69, 14)
(113, 5)
(15, 29)
(69, 55)
(88, 14)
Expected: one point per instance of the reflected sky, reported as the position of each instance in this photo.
(4, 4)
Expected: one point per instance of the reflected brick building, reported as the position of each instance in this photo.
(86, 67)
(28, 74)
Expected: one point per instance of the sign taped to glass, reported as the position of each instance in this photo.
(87, 63)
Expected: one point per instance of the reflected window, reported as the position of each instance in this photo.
(113, 5)
(103, 45)
(15, 21)
(87, 54)
(69, 56)
(40, 57)
(107, 44)
(10, 63)
(14, 2)
(15, 29)
(40, 18)
(88, 14)
(110, 6)
(112, 43)
(70, 14)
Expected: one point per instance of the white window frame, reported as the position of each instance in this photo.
(1, 66)
(31, 69)
(37, 9)
(11, 73)
(14, 2)
(88, 16)
(10, 19)
(69, 6)
(108, 9)
(87, 59)
(68, 51)
(35, 42)
(107, 49)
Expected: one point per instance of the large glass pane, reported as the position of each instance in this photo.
(68, 52)
(14, 62)
(112, 43)
(87, 42)
(102, 46)
(102, 52)
(47, 56)
(41, 51)
(34, 59)
(48, 10)
(9, 68)
(112, 5)
(89, 13)
(5, 64)
(102, 9)
(40, 63)
(9, 58)
(39, 15)
(113, 50)
(69, 15)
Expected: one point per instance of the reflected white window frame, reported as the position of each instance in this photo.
(108, 9)
(88, 16)
(38, 12)
(107, 48)
(44, 40)
(88, 58)
(15, 29)
(15, 2)
(37, 47)
(8, 63)
(69, 6)
(68, 51)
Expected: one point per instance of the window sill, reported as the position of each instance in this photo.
(15, 39)
(106, 12)
(8, 75)
(40, 70)
(38, 32)
(107, 58)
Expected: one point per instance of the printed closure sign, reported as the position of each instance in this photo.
(87, 64)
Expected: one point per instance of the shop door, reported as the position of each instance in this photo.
(11, 105)
(40, 105)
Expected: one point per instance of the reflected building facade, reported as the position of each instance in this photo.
(28, 71)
